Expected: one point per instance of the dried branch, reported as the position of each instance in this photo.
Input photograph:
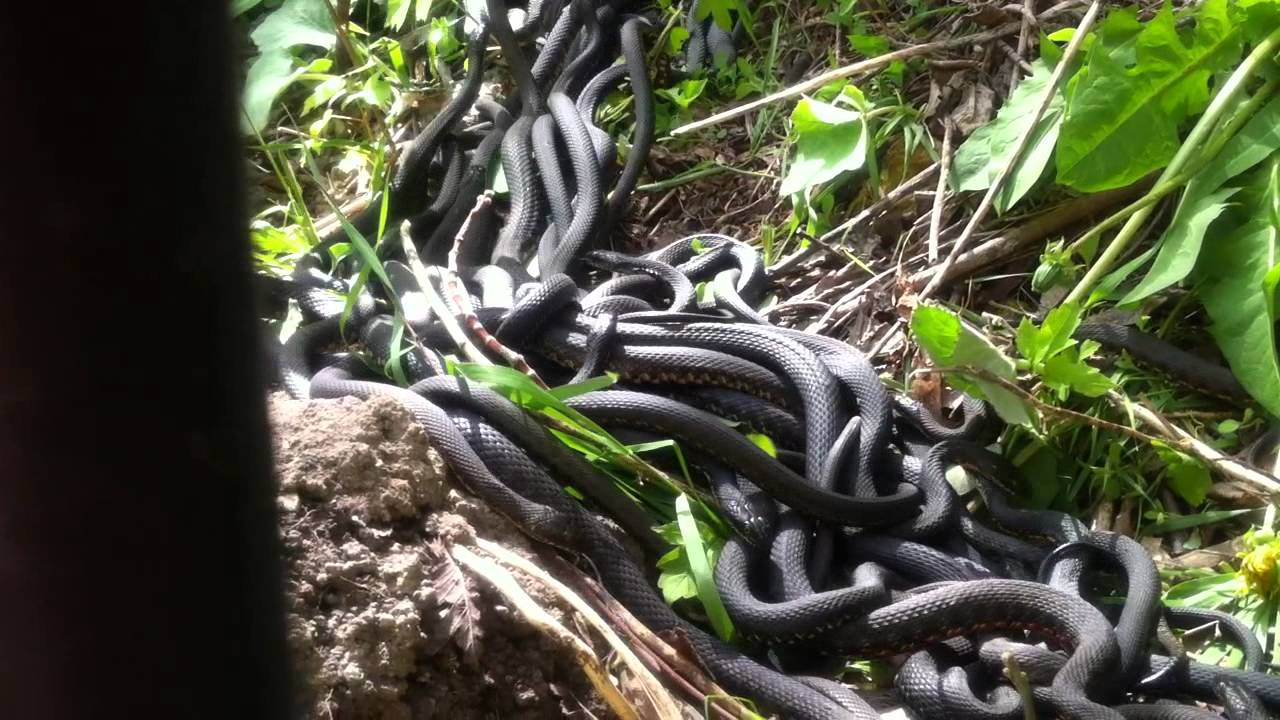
(842, 230)
(1029, 232)
(539, 618)
(1192, 445)
(987, 200)
(940, 194)
(869, 66)
(659, 699)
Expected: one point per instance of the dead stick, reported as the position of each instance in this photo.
(661, 700)
(1173, 435)
(1023, 142)
(538, 617)
(843, 229)
(867, 66)
(1033, 230)
(691, 672)
(1226, 465)
(940, 195)
(1024, 38)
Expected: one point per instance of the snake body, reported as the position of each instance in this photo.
(848, 538)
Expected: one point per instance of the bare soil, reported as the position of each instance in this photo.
(361, 496)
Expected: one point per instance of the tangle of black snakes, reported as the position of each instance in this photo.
(850, 542)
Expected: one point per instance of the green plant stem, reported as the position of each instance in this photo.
(1202, 131)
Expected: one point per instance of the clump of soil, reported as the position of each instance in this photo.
(362, 497)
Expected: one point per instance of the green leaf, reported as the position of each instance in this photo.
(268, 76)
(1173, 523)
(397, 13)
(676, 586)
(1124, 110)
(1180, 245)
(721, 11)
(951, 344)
(1038, 344)
(1066, 372)
(764, 442)
(1186, 477)
(1271, 288)
(564, 392)
(981, 159)
(936, 330)
(1235, 292)
(869, 45)
(684, 93)
(1107, 287)
(702, 564)
(296, 22)
(1210, 591)
(1260, 18)
(1255, 142)
(1201, 205)
(676, 40)
(829, 140)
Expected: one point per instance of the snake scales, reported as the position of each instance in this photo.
(849, 541)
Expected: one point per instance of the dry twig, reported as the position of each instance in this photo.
(996, 187)
(659, 698)
(940, 195)
(1192, 445)
(538, 617)
(871, 65)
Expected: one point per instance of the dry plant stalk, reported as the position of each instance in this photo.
(662, 702)
(539, 618)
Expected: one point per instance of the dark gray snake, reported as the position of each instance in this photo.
(849, 541)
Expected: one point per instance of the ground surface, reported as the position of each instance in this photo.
(362, 498)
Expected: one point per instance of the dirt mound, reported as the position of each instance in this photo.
(362, 498)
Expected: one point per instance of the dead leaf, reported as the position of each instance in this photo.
(455, 604)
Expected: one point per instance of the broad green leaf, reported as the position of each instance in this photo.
(981, 159)
(676, 40)
(1200, 205)
(1066, 372)
(268, 76)
(677, 586)
(1038, 344)
(951, 344)
(1186, 477)
(868, 45)
(1107, 287)
(1210, 591)
(1181, 243)
(1270, 288)
(1236, 270)
(1260, 17)
(296, 22)
(936, 330)
(1124, 111)
(398, 13)
(1254, 143)
(829, 140)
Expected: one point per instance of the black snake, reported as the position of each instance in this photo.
(849, 541)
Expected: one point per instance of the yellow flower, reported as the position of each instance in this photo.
(1258, 566)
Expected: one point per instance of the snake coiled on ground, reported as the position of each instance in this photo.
(849, 539)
